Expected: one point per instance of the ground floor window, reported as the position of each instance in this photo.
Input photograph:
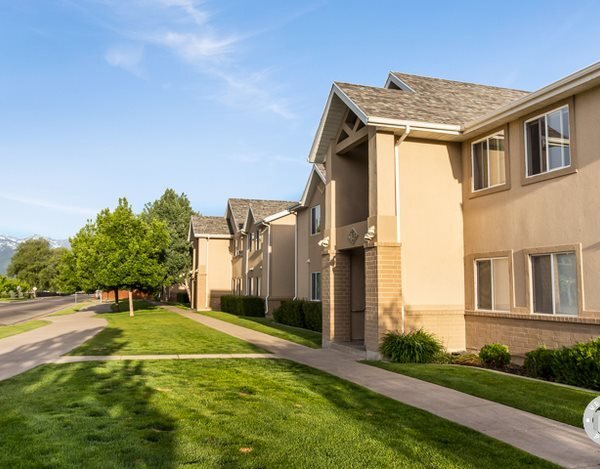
(492, 284)
(554, 283)
(257, 286)
(315, 286)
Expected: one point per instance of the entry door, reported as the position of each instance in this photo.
(357, 288)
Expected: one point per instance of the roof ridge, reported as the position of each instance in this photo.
(458, 81)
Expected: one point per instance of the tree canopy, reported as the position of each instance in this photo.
(36, 263)
(175, 211)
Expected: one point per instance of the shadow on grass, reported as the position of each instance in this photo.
(102, 417)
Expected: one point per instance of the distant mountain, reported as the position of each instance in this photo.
(9, 244)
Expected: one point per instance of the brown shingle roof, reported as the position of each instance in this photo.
(210, 225)
(434, 100)
(260, 208)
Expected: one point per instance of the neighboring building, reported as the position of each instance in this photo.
(310, 223)
(211, 261)
(248, 252)
(465, 209)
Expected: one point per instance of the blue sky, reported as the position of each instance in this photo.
(101, 99)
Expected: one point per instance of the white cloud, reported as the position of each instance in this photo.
(194, 48)
(191, 9)
(128, 58)
(33, 202)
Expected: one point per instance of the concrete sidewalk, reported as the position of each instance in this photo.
(21, 352)
(554, 441)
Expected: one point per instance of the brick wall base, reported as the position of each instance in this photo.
(448, 326)
(523, 335)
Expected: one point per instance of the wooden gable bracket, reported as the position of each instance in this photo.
(352, 133)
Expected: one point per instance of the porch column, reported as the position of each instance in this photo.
(336, 297)
(383, 281)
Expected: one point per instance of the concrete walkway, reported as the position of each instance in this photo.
(197, 356)
(21, 352)
(554, 441)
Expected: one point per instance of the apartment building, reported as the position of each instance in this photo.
(465, 209)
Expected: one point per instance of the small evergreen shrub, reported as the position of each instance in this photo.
(290, 313)
(412, 347)
(539, 363)
(495, 355)
(243, 305)
(468, 359)
(313, 315)
(578, 365)
(182, 297)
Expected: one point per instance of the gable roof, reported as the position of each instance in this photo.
(423, 103)
(316, 176)
(260, 209)
(203, 225)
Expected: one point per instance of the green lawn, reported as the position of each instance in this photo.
(75, 308)
(268, 326)
(154, 330)
(224, 413)
(546, 399)
(7, 331)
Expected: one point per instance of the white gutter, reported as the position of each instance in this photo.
(268, 268)
(206, 283)
(397, 187)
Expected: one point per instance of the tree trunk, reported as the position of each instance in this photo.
(130, 304)
(117, 298)
(186, 284)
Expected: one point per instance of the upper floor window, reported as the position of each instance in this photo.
(315, 220)
(547, 142)
(554, 283)
(492, 284)
(250, 241)
(258, 241)
(488, 162)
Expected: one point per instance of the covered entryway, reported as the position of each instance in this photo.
(357, 293)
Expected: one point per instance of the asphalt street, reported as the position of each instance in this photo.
(19, 311)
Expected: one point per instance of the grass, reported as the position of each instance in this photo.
(74, 308)
(268, 326)
(549, 400)
(14, 329)
(154, 330)
(224, 413)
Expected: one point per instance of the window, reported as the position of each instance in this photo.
(554, 283)
(258, 236)
(250, 241)
(257, 286)
(488, 162)
(492, 284)
(251, 286)
(547, 142)
(315, 220)
(315, 286)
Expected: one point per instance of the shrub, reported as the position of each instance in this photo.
(182, 297)
(243, 305)
(539, 363)
(313, 315)
(495, 355)
(468, 359)
(290, 313)
(412, 347)
(578, 365)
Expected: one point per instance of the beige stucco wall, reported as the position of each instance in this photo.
(309, 252)
(431, 230)
(212, 260)
(282, 257)
(545, 214)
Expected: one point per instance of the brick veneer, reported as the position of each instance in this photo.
(448, 326)
(523, 334)
(336, 297)
(383, 291)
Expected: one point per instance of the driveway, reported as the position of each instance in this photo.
(19, 311)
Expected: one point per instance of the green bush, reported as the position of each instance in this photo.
(578, 365)
(539, 363)
(243, 305)
(412, 347)
(300, 313)
(468, 359)
(182, 297)
(313, 315)
(495, 355)
(290, 313)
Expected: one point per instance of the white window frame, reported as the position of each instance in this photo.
(313, 230)
(257, 241)
(487, 137)
(476, 282)
(545, 115)
(312, 284)
(257, 283)
(552, 255)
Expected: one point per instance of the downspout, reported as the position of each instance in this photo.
(245, 265)
(296, 257)
(206, 284)
(397, 188)
(268, 268)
